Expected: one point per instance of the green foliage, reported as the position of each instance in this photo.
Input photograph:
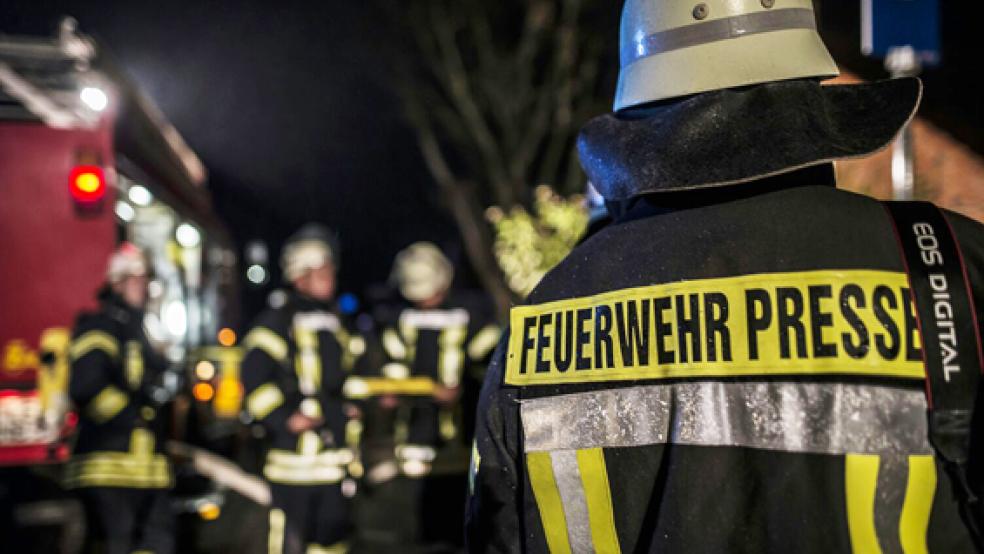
(528, 245)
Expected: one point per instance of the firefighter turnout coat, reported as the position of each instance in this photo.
(297, 357)
(428, 348)
(121, 436)
(734, 369)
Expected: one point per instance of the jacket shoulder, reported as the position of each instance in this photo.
(94, 321)
(274, 319)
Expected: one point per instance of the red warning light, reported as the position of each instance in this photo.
(87, 183)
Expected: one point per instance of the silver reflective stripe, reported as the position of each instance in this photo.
(788, 416)
(893, 473)
(434, 319)
(718, 29)
(571, 490)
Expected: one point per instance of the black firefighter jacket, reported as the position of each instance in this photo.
(727, 370)
(121, 434)
(297, 359)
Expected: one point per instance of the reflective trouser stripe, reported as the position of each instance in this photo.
(919, 492)
(117, 469)
(594, 476)
(278, 521)
(548, 501)
(867, 512)
(860, 481)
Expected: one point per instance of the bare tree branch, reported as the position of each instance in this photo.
(496, 93)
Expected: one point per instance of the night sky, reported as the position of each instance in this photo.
(288, 105)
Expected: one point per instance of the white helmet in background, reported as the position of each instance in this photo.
(311, 247)
(674, 48)
(126, 261)
(422, 271)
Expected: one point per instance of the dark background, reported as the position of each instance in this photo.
(289, 106)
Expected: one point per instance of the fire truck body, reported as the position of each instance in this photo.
(86, 160)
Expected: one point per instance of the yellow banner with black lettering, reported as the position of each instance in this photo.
(853, 322)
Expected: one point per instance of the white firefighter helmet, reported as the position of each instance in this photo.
(309, 248)
(422, 271)
(126, 261)
(674, 48)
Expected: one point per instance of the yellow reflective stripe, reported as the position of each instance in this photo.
(836, 322)
(452, 357)
(919, 492)
(597, 492)
(336, 457)
(278, 522)
(307, 360)
(860, 482)
(303, 475)
(548, 501)
(394, 345)
(345, 342)
(337, 548)
(117, 469)
(94, 340)
(266, 340)
(308, 443)
(353, 432)
(133, 365)
(473, 466)
(142, 443)
(106, 404)
(365, 387)
(484, 341)
(447, 424)
(265, 399)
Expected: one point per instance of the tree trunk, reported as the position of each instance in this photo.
(470, 219)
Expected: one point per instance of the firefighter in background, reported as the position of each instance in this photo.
(733, 365)
(435, 339)
(117, 383)
(297, 358)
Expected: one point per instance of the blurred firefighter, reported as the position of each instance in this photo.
(733, 365)
(119, 384)
(430, 346)
(297, 358)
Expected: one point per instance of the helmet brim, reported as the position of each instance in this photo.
(732, 136)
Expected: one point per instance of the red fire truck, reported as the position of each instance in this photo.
(87, 161)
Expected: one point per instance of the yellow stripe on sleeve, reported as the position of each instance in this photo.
(94, 340)
(918, 504)
(484, 342)
(265, 399)
(597, 492)
(105, 405)
(268, 341)
(548, 501)
(860, 482)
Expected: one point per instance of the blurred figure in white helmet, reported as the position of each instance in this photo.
(431, 343)
(118, 465)
(297, 357)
